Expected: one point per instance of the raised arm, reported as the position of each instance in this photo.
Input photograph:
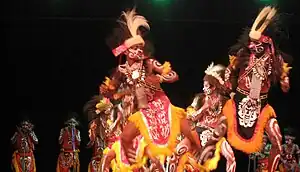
(92, 133)
(78, 138)
(60, 138)
(13, 139)
(111, 84)
(297, 150)
(165, 71)
(34, 137)
(231, 74)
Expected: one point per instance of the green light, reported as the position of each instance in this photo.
(268, 2)
(162, 2)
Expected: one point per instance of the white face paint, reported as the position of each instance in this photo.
(136, 53)
(206, 88)
(288, 141)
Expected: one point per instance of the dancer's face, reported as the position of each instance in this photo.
(135, 53)
(207, 88)
(288, 141)
(257, 47)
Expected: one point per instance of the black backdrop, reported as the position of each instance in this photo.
(57, 59)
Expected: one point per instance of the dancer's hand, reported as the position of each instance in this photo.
(131, 156)
(156, 165)
(112, 127)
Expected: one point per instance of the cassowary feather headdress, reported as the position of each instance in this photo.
(129, 33)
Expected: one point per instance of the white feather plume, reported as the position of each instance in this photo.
(134, 21)
(215, 71)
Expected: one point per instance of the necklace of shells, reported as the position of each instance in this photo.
(135, 73)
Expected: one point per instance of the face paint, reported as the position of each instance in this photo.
(256, 47)
(206, 88)
(135, 53)
(288, 141)
(72, 122)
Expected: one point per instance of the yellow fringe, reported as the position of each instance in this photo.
(232, 61)
(118, 166)
(176, 115)
(76, 163)
(285, 70)
(166, 68)
(251, 145)
(187, 159)
(209, 165)
(16, 164)
(89, 167)
(212, 163)
(190, 110)
(106, 150)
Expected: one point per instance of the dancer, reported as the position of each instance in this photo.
(290, 157)
(210, 126)
(255, 65)
(263, 155)
(69, 140)
(24, 141)
(156, 119)
(104, 136)
(97, 133)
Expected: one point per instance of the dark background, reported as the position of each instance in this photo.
(55, 57)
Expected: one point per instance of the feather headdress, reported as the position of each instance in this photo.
(72, 118)
(89, 108)
(215, 71)
(132, 22)
(264, 18)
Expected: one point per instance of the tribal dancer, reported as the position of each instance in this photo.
(23, 141)
(104, 136)
(69, 140)
(210, 127)
(290, 156)
(256, 65)
(96, 132)
(156, 119)
(263, 155)
(101, 133)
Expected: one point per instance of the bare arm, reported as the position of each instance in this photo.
(166, 74)
(34, 137)
(78, 138)
(218, 132)
(231, 74)
(60, 138)
(14, 138)
(297, 153)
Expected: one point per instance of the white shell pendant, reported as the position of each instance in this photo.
(135, 74)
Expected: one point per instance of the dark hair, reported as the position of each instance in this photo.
(274, 31)
(221, 89)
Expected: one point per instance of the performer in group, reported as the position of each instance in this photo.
(96, 133)
(156, 119)
(210, 126)
(255, 64)
(69, 140)
(290, 157)
(263, 155)
(104, 131)
(24, 141)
